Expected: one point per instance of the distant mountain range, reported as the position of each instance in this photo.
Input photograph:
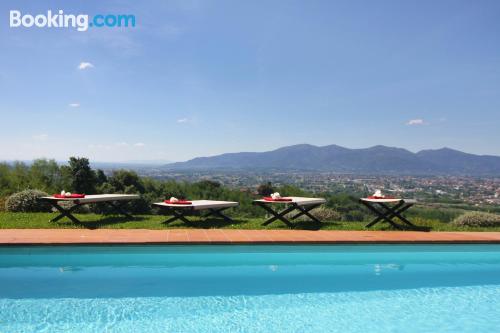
(333, 158)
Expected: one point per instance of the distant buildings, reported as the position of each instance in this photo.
(471, 190)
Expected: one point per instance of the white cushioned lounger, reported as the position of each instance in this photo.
(213, 207)
(302, 204)
(109, 199)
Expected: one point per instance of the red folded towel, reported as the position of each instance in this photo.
(72, 196)
(278, 199)
(384, 197)
(180, 202)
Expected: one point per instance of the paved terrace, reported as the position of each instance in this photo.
(229, 236)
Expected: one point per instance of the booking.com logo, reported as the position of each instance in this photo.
(81, 22)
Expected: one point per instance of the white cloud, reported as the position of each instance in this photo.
(74, 105)
(40, 137)
(415, 122)
(84, 65)
(121, 144)
(139, 144)
(182, 120)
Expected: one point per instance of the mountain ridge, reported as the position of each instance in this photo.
(377, 159)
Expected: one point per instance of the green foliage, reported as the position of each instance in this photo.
(434, 213)
(83, 178)
(477, 219)
(78, 176)
(348, 207)
(125, 182)
(27, 201)
(323, 214)
(292, 191)
(19, 177)
(5, 182)
(266, 189)
(100, 177)
(327, 214)
(43, 174)
(47, 175)
(83, 209)
(2, 203)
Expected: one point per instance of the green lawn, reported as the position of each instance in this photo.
(95, 221)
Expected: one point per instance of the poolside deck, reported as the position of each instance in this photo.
(231, 236)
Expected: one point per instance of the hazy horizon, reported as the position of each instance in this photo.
(161, 162)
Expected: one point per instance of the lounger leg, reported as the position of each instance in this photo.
(119, 209)
(64, 213)
(305, 211)
(386, 216)
(278, 215)
(397, 211)
(177, 216)
(170, 220)
(380, 214)
(218, 212)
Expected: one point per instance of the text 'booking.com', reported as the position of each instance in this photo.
(80, 22)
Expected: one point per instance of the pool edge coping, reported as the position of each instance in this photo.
(13, 237)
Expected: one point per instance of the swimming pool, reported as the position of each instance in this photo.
(379, 288)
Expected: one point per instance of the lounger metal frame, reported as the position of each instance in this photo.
(181, 213)
(388, 213)
(303, 208)
(67, 212)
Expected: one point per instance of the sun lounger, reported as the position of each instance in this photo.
(213, 207)
(109, 199)
(388, 209)
(300, 204)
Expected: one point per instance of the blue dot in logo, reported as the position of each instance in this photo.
(91, 25)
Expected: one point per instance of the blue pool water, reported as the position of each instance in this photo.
(383, 288)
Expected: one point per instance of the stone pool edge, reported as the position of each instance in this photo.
(236, 236)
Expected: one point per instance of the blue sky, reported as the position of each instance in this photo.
(197, 78)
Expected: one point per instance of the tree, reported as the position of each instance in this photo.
(5, 178)
(208, 184)
(126, 181)
(265, 189)
(19, 177)
(46, 175)
(101, 177)
(83, 178)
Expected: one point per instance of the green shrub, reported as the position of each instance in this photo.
(82, 209)
(326, 214)
(354, 216)
(323, 214)
(477, 219)
(2, 203)
(27, 201)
